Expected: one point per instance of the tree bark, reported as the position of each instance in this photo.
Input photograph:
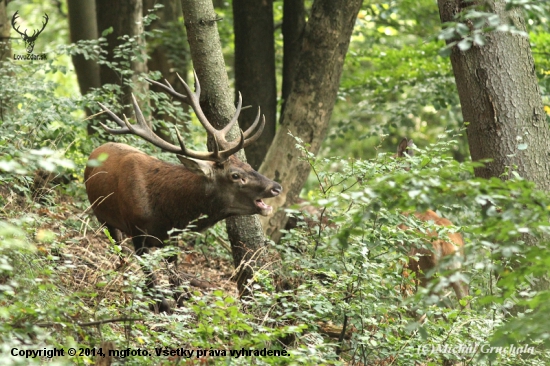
(309, 105)
(501, 100)
(83, 26)
(125, 18)
(5, 26)
(255, 70)
(245, 232)
(294, 22)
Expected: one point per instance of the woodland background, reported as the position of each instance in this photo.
(473, 93)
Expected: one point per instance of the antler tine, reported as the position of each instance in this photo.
(13, 20)
(226, 129)
(142, 130)
(257, 135)
(252, 127)
(169, 89)
(225, 154)
(115, 118)
(34, 33)
(247, 139)
(193, 99)
(212, 156)
(141, 122)
(197, 84)
(194, 102)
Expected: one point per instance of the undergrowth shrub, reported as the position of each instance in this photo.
(339, 293)
(354, 267)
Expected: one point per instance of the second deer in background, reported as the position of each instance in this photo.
(428, 259)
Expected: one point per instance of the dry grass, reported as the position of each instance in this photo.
(92, 266)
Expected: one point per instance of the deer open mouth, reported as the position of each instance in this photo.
(264, 208)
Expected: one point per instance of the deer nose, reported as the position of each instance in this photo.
(277, 189)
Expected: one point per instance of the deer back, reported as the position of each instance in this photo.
(429, 259)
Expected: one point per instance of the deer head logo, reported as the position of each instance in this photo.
(29, 40)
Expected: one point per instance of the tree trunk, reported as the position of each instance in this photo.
(255, 70)
(294, 22)
(244, 232)
(501, 100)
(309, 105)
(5, 26)
(168, 51)
(125, 18)
(83, 26)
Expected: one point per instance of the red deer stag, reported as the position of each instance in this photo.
(143, 197)
(429, 259)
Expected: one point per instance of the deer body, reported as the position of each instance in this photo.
(139, 194)
(144, 197)
(430, 259)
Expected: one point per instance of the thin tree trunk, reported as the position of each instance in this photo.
(501, 100)
(245, 232)
(309, 105)
(168, 58)
(5, 26)
(124, 16)
(83, 26)
(501, 103)
(294, 23)
(168, 51)
(255, 70)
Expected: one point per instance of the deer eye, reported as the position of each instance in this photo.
(235, 176)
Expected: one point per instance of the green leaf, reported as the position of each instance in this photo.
(465, 44)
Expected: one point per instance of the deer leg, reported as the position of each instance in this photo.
(175, 282)
(461, 290)
(161, 305)
(115, 233)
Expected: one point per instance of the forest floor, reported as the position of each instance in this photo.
(92, 264)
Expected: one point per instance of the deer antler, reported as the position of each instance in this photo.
(142, 130)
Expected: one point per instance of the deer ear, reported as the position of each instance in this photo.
(199, 167)
(402, 148)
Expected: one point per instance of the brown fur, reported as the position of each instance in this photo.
(139, 194)
(429, 259)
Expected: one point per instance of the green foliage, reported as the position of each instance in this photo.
(351, 266)
(541, 49)
(340, 294)
(394, 83)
